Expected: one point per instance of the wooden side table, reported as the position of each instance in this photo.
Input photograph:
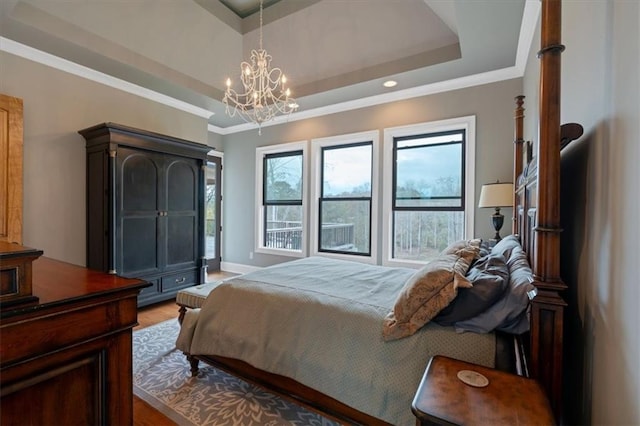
(444, 399)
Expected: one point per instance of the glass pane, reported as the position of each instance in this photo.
(283, 178)
(283, 227)
(346, 226)
(210, 210)
(346, 172)
(421, 236)
(429, 172)
(430, 139)
(430, 202)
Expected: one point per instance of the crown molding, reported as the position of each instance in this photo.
(527, 31)
(400, 95)
(35, 55)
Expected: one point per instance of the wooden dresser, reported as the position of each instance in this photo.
(67, 357)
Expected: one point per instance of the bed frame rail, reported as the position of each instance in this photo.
(289, 389)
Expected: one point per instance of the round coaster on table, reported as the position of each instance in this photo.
(473, 378)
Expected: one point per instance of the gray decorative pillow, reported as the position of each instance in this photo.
(505, 245)
(508, 312)
(485, 249)
(427, 292)
(489, 277)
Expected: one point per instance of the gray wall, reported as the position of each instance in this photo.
(492, 104)
(215, 141)
(601, 90)
(56, 106)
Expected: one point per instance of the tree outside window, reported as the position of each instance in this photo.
(345, 199)
(428, 194)
(282, 200)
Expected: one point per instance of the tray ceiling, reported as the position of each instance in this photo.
(334, 52)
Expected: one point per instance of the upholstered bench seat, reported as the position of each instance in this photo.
(194, 297)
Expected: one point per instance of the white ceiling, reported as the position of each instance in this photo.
(335, 53)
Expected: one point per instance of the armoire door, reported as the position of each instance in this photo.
(181, 183)
(138, 211)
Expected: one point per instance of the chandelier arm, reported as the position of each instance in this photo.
(265, 93)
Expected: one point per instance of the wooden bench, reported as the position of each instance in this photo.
(193, 297)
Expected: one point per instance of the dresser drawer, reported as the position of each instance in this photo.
(179, 280)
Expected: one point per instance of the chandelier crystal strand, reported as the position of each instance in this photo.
(265, 93)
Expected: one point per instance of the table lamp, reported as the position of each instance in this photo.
(496, 195)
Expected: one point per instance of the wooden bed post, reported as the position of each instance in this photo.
(548, 305)
(517, 156)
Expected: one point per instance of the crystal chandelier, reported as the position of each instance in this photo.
(265, 94)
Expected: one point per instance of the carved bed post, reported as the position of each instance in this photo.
(548, 305)
(517, 157)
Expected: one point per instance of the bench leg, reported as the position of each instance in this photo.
(194, 362)
(181, 312)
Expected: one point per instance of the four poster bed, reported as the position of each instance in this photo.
(334, 319)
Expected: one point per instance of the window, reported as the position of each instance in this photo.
(281, 220)
(213, 210)
(429, 196)
(345, 188)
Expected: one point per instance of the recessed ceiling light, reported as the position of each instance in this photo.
(389, 83)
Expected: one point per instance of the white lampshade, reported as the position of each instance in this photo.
(496, 195)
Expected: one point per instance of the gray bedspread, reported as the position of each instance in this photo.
(319, 321)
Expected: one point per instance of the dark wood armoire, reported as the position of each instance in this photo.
(145, 208)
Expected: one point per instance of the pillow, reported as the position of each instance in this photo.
(489, 276)
(427, 292)
(506, 245)
(509, 312)
(460, 246)
(485, 249)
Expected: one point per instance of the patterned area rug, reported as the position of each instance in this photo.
(162, 378)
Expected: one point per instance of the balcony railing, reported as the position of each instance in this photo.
(338, 236)
(288, 235)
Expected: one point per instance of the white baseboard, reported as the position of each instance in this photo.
(238, 268)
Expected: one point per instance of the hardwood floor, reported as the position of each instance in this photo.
(146, 415)
(154, 314)
(143, 413)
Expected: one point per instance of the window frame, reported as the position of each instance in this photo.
(353, 139)
(468, 124)
(261, 154)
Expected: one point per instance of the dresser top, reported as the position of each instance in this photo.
(58, 283)
(10, 250)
